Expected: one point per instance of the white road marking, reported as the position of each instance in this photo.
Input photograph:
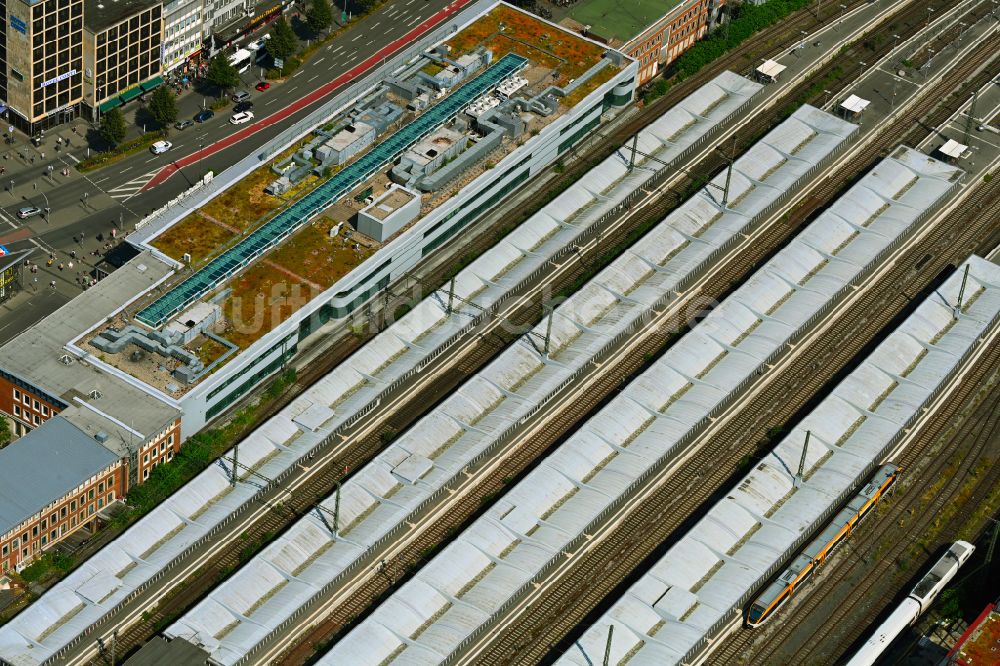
(357, 37)
(313, 78)
(72, 157)
(132, 187)
(321, 60)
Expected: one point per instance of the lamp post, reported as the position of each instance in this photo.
(97, 100)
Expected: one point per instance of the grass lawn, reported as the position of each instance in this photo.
(620, 20)
(194, 235)
(262, 298)
(243, 204)
(318, 258)
(589, 86)
(520, 32)
(209, 350)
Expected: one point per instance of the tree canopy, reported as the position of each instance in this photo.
(221, 73)
(113, 127)
(163, 105)
(319, 16)
(282, 43)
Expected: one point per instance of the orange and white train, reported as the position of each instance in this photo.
(820, 548)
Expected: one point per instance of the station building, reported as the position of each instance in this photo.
(165, 344)
(652, 32)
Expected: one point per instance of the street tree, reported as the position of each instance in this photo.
(364, 5)
(163, 105)
(221, 73)
(113, 127)
(319, 16)
(5, 433)
(282, 43)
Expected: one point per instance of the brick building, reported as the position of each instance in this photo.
(654, 32)
(53, 481)
(84, 438)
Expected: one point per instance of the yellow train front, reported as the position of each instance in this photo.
(815, 553)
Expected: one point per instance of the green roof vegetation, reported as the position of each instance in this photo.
(620, 19)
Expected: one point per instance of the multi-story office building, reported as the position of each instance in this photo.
(653, 32)
(121, 51)
(42, 62)
(183, 32)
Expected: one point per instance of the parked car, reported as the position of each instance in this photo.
(242, 117)
(243, 106)
(160, 147)
(204, 116)
(262, 86)
(183, 124)
(28, 211)
(240, 96)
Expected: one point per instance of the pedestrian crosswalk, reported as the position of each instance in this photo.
(132, 187)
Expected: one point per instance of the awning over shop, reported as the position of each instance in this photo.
(131, 93)
(152, 83)
(110, 104)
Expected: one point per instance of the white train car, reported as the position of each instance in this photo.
(920, 599)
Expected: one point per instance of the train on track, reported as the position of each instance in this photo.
(910, 608)
(819, 549)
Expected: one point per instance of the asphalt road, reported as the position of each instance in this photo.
(96, 202)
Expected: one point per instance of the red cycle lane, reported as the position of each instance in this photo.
(311, 98)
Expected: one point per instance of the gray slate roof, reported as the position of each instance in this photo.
(43, 466)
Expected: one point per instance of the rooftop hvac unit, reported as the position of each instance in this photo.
(186, 258)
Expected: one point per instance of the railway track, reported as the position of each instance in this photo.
(849, 618)
(303, 500)
(396, 570)
(527, 639)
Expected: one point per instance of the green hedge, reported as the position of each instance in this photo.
(197, 453)
(121, 151)
(747, 19)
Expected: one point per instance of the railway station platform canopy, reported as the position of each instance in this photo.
(469, 424)
(709, 575)
(348, 390)
(501, 551)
